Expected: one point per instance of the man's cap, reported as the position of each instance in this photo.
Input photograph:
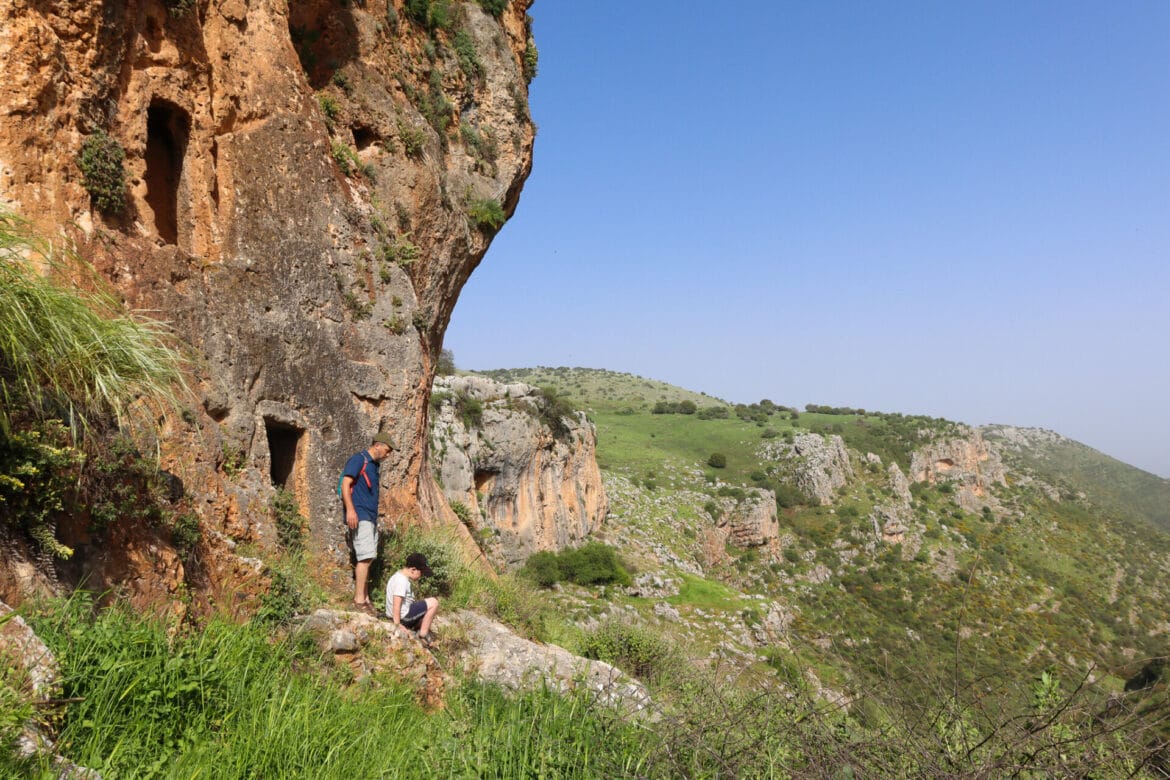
(418, 561)
(384, 438)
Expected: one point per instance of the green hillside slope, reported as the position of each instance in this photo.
(1074, 467)
(1047, 572)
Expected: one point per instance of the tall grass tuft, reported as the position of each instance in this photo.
(67, 347)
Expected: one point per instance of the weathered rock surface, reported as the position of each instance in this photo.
(651, 585)
(893, 521)
(495, 654)
(300, 184)
(369, 646)
(969, 463)
(819, 464)
(526, 486)
(751, 522)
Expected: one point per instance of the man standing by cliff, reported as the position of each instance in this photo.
(359, 494)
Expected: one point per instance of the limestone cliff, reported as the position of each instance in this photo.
(818, 465)
(968, 462)
(309, 184)
(521, 486)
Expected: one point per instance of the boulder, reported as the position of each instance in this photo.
(494, 653)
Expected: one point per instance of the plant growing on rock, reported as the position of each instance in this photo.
(413, 139)
(486, 213)
(286, 515)
(494, 7)
(103, 175)
(531, 60)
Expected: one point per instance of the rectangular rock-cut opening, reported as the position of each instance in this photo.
(283, 444)
(167, 130)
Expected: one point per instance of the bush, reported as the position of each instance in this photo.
(593, 563)
(553, 410)
(531, 60)
(543, 568)
(635, 650)
(469, 61)
(470, 410)
(442, 556)
(38, 472)
(413, 139)
(330, 108)
(717, 460)
(103, 175)
(346, 158)
(788, 496)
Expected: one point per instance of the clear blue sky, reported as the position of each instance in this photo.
(953, 209)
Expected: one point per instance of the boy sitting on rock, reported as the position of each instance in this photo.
(401, 606)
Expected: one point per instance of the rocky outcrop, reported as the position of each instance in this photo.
(494, 653)
(309, 184)
(818, 464)
(372, 647)
(523, 485)
(893, 521)
(750, 522)
(968, 463)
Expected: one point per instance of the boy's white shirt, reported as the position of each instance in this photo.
(399, 585)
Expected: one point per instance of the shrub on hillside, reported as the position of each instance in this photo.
(636, 650)
(593, 563)
(788, 496)
(717, 460)
(543, 568)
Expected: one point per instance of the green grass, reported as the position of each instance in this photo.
(706, 594)
(67, 346)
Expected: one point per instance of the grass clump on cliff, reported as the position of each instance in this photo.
(71, 361)
(67, 347)
(486, 213)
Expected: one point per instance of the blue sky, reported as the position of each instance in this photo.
(960, 210)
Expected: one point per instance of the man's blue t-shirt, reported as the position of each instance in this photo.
(365, 487)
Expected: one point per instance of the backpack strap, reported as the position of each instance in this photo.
(363, 473)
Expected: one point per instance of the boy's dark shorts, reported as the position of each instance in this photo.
(415, 613)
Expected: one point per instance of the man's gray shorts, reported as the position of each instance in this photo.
(364, 540)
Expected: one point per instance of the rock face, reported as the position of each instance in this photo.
(969, 463)
(893, 521)
(819, 464)
(751, 522)
(524, 485)
(309, 184)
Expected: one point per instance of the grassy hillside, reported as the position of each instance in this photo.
(1028, 582)
(1074, 467)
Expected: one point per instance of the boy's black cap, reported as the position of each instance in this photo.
(419, 561)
